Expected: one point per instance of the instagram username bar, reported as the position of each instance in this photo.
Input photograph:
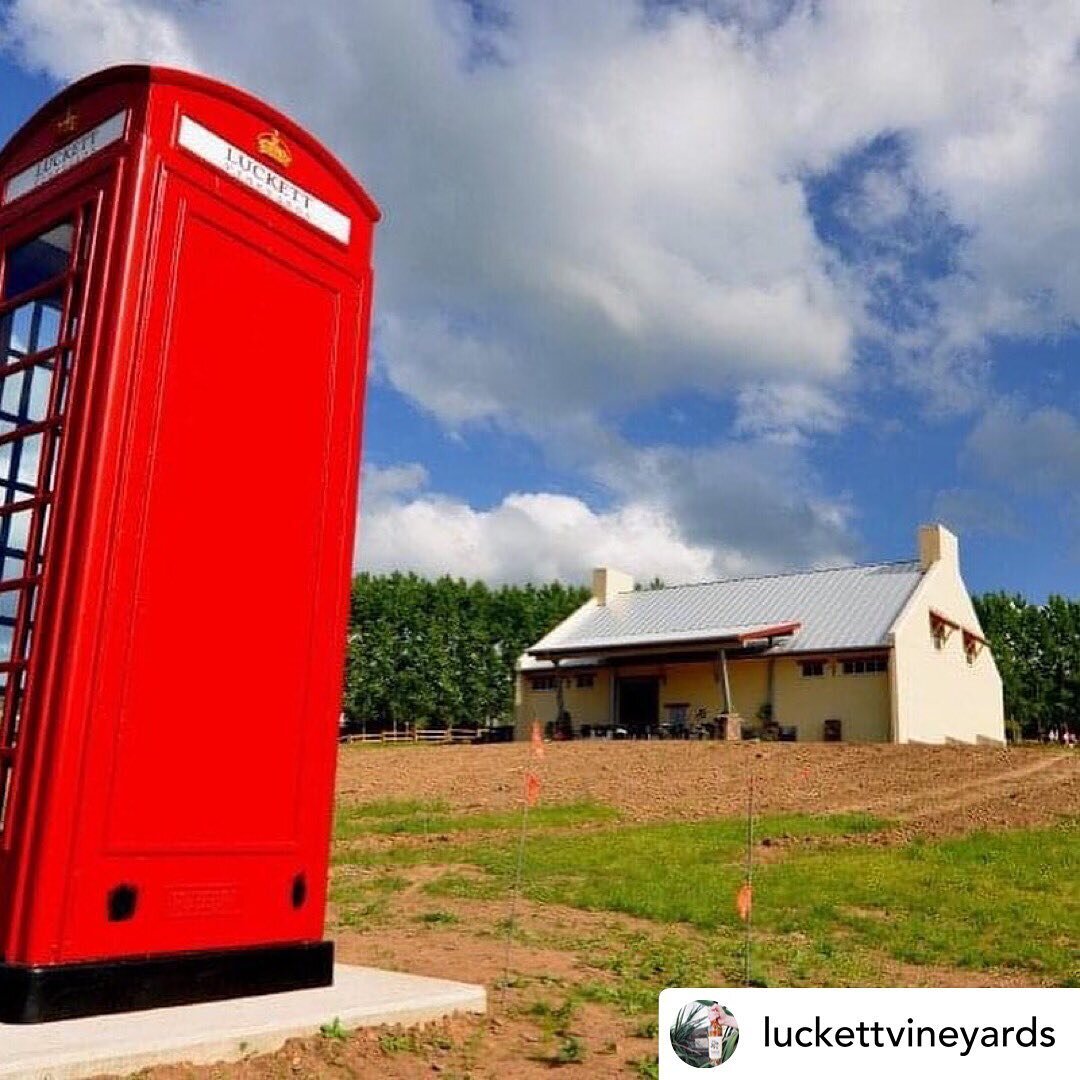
(910, 1036)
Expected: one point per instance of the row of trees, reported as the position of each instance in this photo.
(433, 653)
(1037, 648)
(442, 653)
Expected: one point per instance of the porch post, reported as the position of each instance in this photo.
(560, 707)
(613, 698)
(728, 708)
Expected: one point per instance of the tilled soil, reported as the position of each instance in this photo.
(932, 790)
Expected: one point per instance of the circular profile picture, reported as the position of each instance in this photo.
(704, 1034)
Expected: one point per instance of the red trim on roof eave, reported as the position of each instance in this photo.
(780, 630)
(944, 619)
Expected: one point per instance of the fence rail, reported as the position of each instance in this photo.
(426, 735)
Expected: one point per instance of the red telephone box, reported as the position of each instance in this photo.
(185, 291)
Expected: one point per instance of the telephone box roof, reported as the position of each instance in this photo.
(153, 74)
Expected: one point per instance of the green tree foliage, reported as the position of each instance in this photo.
(442, 653)
(1037, 648)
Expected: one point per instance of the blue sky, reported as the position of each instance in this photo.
(698, 288)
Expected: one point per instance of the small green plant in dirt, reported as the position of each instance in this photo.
(554, 1021)
(399, 1042)
(477, 886)
(647, 1068)
(334, 1030)
(571, 1051)
(438, 918)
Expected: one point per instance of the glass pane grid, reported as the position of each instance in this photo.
(39, 296)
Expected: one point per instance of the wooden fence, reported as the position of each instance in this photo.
(426, 735)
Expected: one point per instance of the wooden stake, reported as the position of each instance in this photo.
(750, 865)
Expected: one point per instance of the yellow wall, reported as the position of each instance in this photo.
(860, 701)
(585, 706)
(938, 696)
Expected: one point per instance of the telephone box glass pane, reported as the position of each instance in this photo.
(39, 260)
(32, 327)
(19, 468)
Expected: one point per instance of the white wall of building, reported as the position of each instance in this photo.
(938, 694)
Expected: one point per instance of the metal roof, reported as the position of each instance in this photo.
(845, 608)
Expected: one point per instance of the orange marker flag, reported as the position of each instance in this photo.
(532, 788)
(537, 741)
(744, 901)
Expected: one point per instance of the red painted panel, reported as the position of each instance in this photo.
(226, 530)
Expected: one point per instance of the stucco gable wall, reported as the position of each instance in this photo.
(937, 695)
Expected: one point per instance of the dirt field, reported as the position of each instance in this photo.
(580, 980)
(930, 789)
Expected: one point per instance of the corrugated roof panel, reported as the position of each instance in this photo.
(849, 607)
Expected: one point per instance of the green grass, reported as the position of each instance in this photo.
(423, 818)
(987, 900)
(364, 899)
(632, 870)
(826, 912)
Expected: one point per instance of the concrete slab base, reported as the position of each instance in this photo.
(226, 1030)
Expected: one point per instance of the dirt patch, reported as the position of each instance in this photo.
(932, 790)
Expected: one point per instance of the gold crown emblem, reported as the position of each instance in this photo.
(68, 122)
(272, 145)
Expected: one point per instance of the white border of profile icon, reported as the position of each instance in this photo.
(704, 1033)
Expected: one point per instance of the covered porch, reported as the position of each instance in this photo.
(694, 687)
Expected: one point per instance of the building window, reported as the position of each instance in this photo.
(813, 669)
(542, 682)
(586, 682)
(871, 665)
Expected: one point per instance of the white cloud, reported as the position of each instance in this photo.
(627, 196)
(606, 212)
(526, 537)
(787, 412)
(756, 504)
(1030, 452)
(68, 39)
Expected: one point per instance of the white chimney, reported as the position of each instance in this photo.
(937, 544)
(608, 583)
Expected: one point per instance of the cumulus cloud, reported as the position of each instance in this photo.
(682, 515)
(536, 536)
(787, 412)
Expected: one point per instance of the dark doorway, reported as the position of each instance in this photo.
(639, 705)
